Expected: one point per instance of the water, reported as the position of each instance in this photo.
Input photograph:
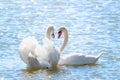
(93, 25)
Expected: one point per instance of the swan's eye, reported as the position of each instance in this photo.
(47, 67)
(59, 34)
(53, 36)
(59, 31)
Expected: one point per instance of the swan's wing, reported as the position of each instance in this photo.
(26, 46)
(54, 56)
(77, 59)
(47, 42)
(51, 51)
(41, 53)
(35, 62)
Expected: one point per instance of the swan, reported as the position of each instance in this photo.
(39, 56)
(74, 58)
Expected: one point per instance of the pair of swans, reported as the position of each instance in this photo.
(47, 56)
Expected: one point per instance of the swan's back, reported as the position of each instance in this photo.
(27, 45)
(77, 59)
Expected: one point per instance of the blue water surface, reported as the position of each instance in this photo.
(93, 25)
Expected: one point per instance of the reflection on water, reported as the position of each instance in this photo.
(93, 27)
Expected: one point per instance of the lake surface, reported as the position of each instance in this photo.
(93, 25)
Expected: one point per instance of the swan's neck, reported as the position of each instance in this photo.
(49, 30)
(65, 32)
(48, 34)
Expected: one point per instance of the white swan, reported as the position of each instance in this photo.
(74, 58)
(37, 56)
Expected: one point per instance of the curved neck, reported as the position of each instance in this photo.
(65, 33)
(47, 34)
(49, 30)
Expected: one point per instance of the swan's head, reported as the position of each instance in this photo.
(50, 31)
(60, 31)
(44, 64)
(53, 36)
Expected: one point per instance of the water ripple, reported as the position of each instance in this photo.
(93, 28)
